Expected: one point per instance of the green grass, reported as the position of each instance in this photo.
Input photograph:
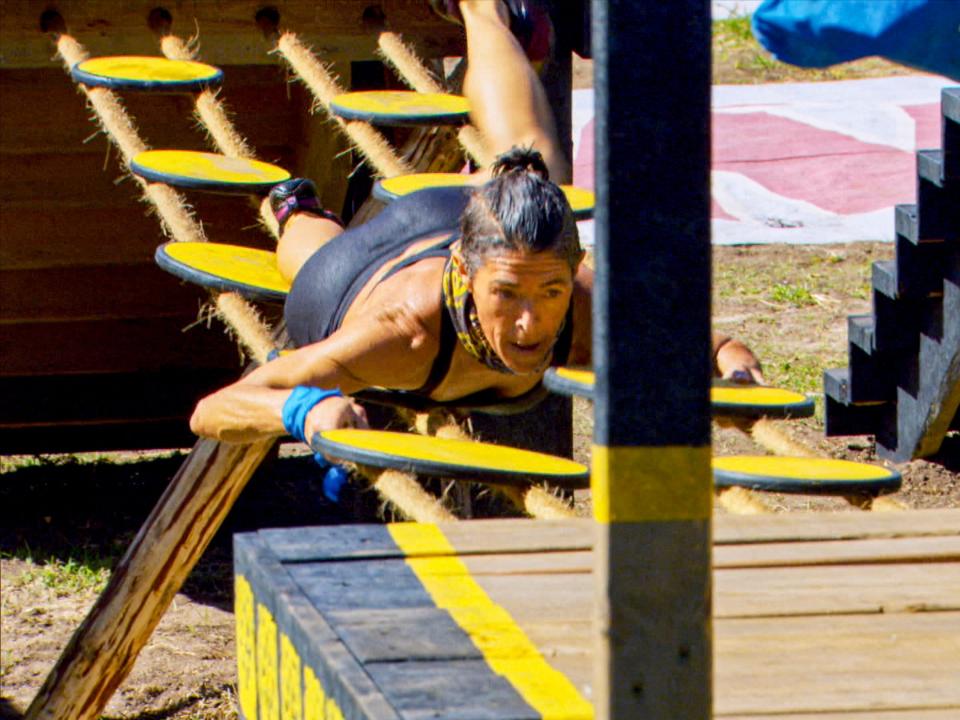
(794, 295)
(77, 573)
(739, 59)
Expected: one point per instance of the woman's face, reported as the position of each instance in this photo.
(521, 301)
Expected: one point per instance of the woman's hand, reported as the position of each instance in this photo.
(334, 413)
(734, 361)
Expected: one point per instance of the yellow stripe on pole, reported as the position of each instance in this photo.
(505, 647)
(639, 484)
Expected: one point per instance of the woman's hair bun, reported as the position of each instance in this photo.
(521, 158)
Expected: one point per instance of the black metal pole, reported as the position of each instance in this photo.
(652, 485)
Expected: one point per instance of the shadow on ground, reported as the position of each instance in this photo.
(88, 512)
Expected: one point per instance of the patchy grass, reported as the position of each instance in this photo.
(795, 295)
(67, 577)
(739, 59)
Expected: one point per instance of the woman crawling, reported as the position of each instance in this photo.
(446, 293)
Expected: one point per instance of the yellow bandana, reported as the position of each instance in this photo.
(463, 313)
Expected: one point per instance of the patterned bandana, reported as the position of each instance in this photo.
(463, 313)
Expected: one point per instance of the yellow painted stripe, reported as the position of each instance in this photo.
(402, 103)
(506, 648)
(243, 605)
(291, 698)
(250, 266)
(637, 484)
(585, 377)
(157, 69)
(449, 451)
(799, 468)
(317, 705)
(210, 167)
(755, 395)
(580, 199)
(268, 670)
(405, 184)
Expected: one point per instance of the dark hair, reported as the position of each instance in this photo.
(519, 210)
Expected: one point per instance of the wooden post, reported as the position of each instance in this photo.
(652, 484)
(103, 649)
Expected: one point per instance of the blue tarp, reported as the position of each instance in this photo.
(815, 33)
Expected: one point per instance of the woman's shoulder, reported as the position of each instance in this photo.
(409, 301)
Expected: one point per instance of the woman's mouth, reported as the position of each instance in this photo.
(527, 348)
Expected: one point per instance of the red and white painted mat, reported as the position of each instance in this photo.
(805, 163)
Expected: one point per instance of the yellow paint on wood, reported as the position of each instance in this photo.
(291, 705)
(450, 451)
(314, 699)
(249, 266)
(505, 647)
(585, 377)
(209, 167)
(148, 69)
(639, 484)
(581, 200)
(400, 103)
(317, 705)
(243, 608)
(267, 665)
(755, 395)
(801, 468)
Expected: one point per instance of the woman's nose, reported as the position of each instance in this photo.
(527, 318)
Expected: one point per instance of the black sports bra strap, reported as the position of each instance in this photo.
(441, 363)
(441, 249)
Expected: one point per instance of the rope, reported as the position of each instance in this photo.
(766, 434)
(402, 57)
(175, 215)
(408, 496)
(400, 490)
(208, 108)
(325, 88)
(177, 220)
(536, 501)
(742, 501)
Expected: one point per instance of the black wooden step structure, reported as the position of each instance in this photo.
(902, 382)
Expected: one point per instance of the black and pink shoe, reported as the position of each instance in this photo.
(530, 24)
(298, 195)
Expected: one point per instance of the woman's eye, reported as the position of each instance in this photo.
(504, 293)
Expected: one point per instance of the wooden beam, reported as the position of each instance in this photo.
(338, 29)
(651, 479)
(103, 649)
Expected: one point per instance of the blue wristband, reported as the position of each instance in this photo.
(301, 401)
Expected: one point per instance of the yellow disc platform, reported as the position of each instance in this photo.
(581, 200)
(208, 171)
(726, 399)
(228, 268)
(401, 107)
(803, 475)
(136, 72)
(460, 459)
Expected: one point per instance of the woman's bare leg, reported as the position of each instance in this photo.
(509, 104)
(302, 236)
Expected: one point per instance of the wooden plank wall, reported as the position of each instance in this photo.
(94, 347)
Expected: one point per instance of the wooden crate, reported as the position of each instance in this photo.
(851, 615)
